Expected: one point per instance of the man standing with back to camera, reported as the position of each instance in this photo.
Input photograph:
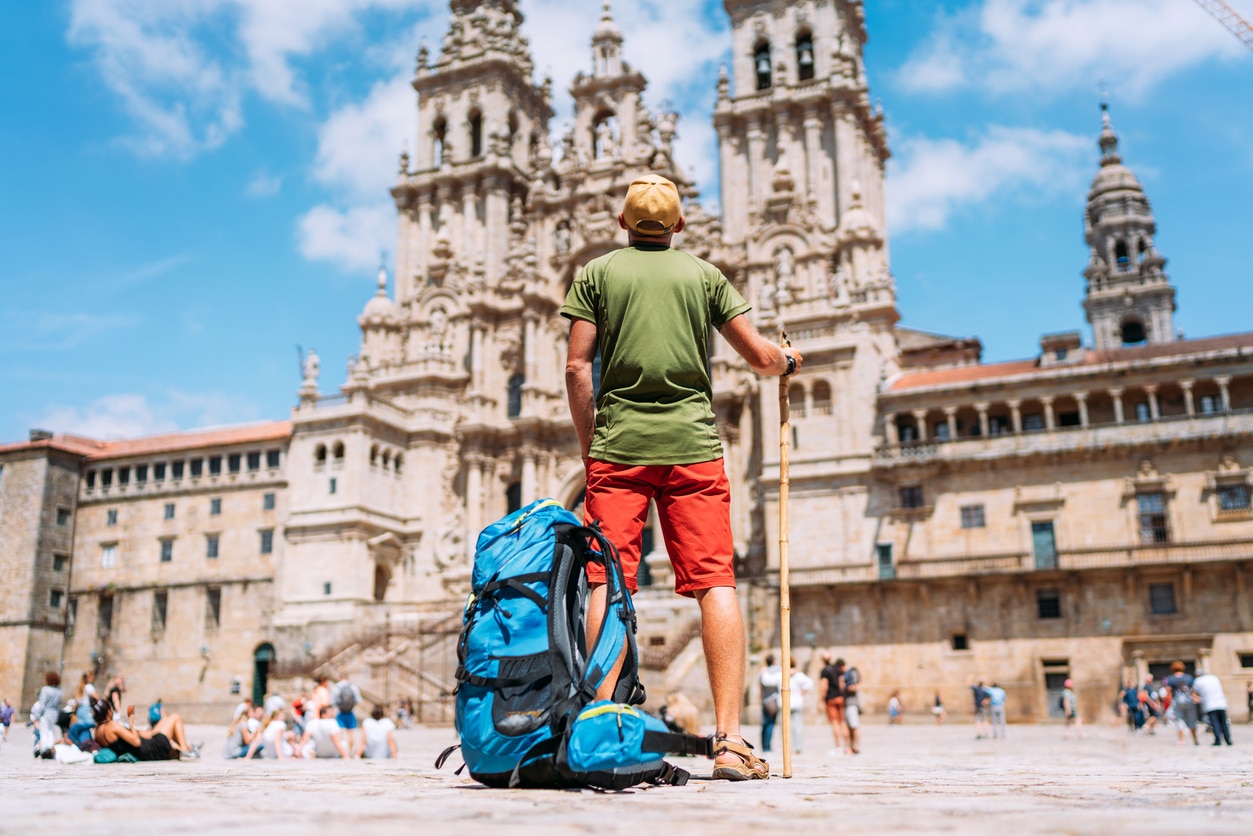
(649, 433)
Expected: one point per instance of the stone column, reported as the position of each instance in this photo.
(982, 408)
(425, 239)
(474, 494)
(1081, 398)
(889, 430)
(920, 418)
(1151, 390)
(950, 418)
(756, 153)
(1050, 418)
(1224, 384)
(812, 151)
(1015, 414)
(469, 222)
(528, 476)
(1188, 403)
(530, 368)
(1116, 394)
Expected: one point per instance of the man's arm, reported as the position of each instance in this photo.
(579, 358)
(763, 356)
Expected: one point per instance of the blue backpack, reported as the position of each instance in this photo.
(525, 712)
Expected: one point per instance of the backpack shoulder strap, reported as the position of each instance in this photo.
(689, 745)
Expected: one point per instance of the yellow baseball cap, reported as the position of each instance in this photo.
(652, 206)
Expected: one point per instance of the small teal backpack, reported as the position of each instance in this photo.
(527, 680)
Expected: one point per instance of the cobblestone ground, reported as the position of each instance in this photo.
(908, 779)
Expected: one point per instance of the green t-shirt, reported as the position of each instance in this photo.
(654, 309)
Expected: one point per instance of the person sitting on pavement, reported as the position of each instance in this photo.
(167, 741)
(275, 741)
(323, 737)
(377, 738)
(245, 728)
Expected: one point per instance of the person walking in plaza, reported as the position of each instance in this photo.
(1182, 706)
(896, 710)
(1070, 710)
(45, 713)
(996, 709)
(6, 718)
(980, 697)
(770, 680)
(833, 697)
(937, 708)
(852, 708)
(1213, 705)
(649, 434)
(345, 697)
(801, 685)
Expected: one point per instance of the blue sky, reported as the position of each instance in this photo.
(192, 188)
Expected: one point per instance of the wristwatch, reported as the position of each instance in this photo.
(791, 365)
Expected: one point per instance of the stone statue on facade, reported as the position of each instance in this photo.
(312, 365)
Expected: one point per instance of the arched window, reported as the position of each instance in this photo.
(319, 454)
(1133, 332)
(1121, 257)
(476, 134)
(513, 497)
(805, 56)
(762, 65)
(440, 136)
(338, 451)
(382, 578)
(374, 455)
(514, 406)
(262, 657)
(512, 125)
(387, 459)
(796, 399)
(398, 463)
(822, 398)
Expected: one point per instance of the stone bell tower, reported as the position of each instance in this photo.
(1129, 300)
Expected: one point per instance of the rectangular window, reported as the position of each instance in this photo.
(333, 485)
(1210, 404)
(271, 459)
(961, 641)
(197, 468)
(63, 516)
(55, 597)
(91, 479)
(169, 510)
(108, 556)
(1142, 413)
(1246, 660)
(106, 477)
(215, 465)
(1044, 545)
(267, 541)
(167, 551)
(1033, 421)
(141, 473)
(158, 472)
(160, 603)
(1048, 603)
(254, 461)
(123, 476)
(104, 615)
(883, 552)
(1233, 497)
(326, 588)
(911, 496)
(1162, 599)
(211, 545)
(213, 607)
(59, 562)
(1153, 527)
(267, 502)
(232, 462)
(972, 516)
(110, 517)
(215, 507)
(176, 470)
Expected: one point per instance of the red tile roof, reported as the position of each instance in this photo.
(963, 374)
(94, 450)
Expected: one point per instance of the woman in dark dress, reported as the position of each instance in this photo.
(166, 741)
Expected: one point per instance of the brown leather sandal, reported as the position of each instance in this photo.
(752, 767)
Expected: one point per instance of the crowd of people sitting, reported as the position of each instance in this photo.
(318, 724)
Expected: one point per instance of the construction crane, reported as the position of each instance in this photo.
(1228, 17)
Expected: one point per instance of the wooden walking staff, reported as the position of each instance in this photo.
(785, 596)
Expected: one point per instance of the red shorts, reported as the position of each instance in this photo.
(693, 506)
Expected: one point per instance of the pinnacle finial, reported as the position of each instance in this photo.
(1109, 139)
(607, 13)
(382, 279)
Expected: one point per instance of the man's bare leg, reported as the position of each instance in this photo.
(722, 635)
(597, 604)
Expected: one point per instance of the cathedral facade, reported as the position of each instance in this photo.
(1084, 513)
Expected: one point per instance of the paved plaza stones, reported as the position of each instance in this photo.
(911, 779)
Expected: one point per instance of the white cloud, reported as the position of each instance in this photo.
(1048, 45)
(131, 415)
(353, 238)
(263, 184)
(929, 180)
(359, 144)
(182, 69)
